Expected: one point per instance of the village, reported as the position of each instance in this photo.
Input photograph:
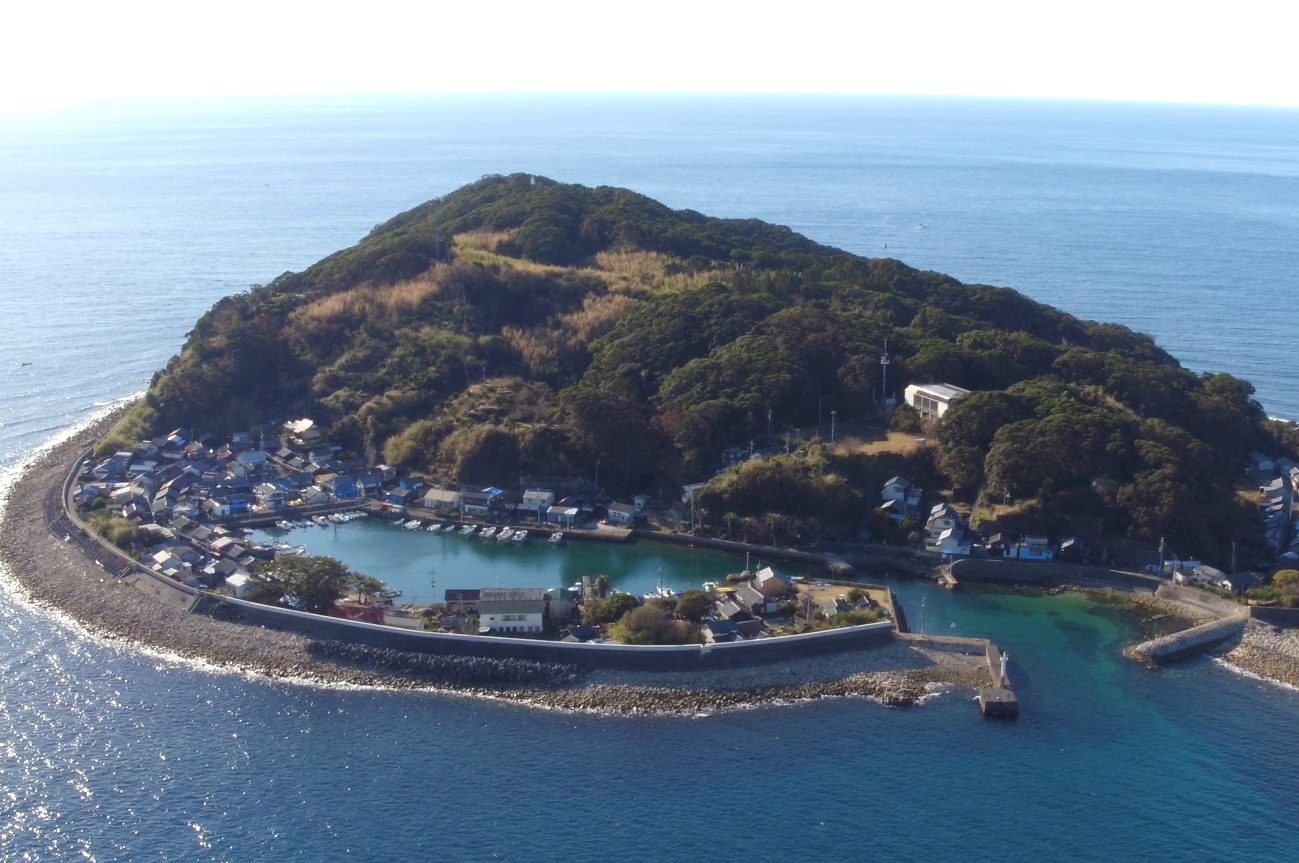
(185, 509)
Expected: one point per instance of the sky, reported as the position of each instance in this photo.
(60, 51)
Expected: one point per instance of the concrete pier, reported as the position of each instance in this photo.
(1189, 642)
(998, 700)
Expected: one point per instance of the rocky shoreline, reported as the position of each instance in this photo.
(57, 569)
(1268, 652)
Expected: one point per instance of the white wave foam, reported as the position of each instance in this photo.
(11, 473)
(1243, 672)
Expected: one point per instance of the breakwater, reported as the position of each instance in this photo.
(674, 657)
(1188, 642)
(1050, 574)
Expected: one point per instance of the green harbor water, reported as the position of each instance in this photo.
(409, 560)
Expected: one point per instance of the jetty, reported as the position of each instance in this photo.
(998, 700)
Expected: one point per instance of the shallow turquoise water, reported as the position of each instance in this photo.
(407, 560)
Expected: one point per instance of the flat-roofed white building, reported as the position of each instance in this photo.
(931, 401)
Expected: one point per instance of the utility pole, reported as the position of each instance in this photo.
(1161, 555)
(884, 373)
(768, 422)
(922, 617)
(832, 416)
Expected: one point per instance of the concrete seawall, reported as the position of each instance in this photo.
(1201, 600)
(1189, 642)
(684, 657)
(1050, 574)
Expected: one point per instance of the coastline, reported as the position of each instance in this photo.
(56, 573)
(62, 576)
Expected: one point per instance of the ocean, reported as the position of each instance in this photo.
(121, 223)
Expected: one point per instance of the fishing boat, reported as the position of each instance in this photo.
(468, 529)
(661, 592)
(556, 538)
(413, 524)
(434, 528)
(320, 521)
(284, 525)
(488, 533)
(504, 535)
(519, 536)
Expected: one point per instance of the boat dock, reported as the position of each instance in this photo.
(998, 700)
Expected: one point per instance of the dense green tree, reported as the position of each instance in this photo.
(649, 625)
(692, 605)
(315, 582)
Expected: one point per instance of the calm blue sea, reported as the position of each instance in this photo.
(120, 224)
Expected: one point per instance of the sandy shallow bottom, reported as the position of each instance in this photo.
(56, 569)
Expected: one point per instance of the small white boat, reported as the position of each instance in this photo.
(284, 525)
(433, 528)
(519, 536)
(320, 520)
(413, 524)
(556, 538)
(504, 535)
(468, 529)
(488, 533)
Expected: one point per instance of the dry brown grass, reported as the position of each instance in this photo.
(632, 272)
(540, 347)
(367, 298)
(628, 275)
(486, 241)
(899, 442)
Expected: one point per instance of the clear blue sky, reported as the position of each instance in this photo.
(62, 50)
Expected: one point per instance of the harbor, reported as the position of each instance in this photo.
(410, 560)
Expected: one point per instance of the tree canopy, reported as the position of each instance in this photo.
(312, 583)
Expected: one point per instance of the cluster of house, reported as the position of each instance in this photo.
(1277, 479)
(187, 492)
(739, 612)
(947, 531)
(174, 490)
(566, 502)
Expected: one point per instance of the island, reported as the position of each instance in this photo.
(541, 356)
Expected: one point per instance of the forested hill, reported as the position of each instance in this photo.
(520, 326)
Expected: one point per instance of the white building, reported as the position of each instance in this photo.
(512, 609)
(931, 401)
